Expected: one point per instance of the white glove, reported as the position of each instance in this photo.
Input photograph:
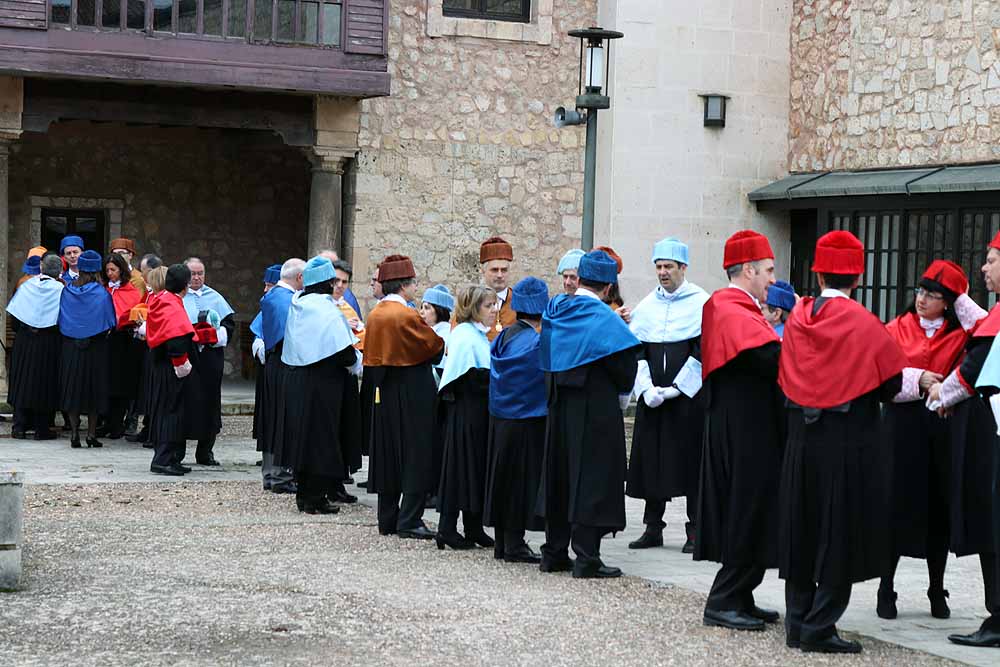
(257, 348)
(140, 331)
(357, 367)
(667, 393)
(623, 400)
(653, 397)
(223, 334)
(183, 370)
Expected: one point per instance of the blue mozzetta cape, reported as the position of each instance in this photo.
(85, 311)
(663, 317)
(274, 315)
(316, 329)
(209, 300)
(517, 383)
(256, 324)
(577, 330)
(36, 302)
(989, 376)
(467, 347)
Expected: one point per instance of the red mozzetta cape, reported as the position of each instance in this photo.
(989, 326)
(834, 356)
(730, 323)
(125, 298)
(167, 319)
(940, 353)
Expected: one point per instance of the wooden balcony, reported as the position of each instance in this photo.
(333, 47)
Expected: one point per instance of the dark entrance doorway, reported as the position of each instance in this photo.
(89, 224)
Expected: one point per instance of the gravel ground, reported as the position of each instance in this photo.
(220, 573)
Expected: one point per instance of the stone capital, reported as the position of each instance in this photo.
(329, 159)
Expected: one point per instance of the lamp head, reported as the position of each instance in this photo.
(564, 117)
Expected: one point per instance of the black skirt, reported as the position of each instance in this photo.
(666, 450)
(34, 369)
(513, 473)
(84, 374)
(203, 410)
(126, 356)
(921, 473)
(466, 421)
(165, 399)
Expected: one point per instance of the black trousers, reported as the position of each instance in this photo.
(313, 488)
(508, 541)
(812, 611)
(990, 565)
(652, 515)
(31, 420)
(471, 523)
(168, 453)
(733, 588)
(397, 513)
(585, 540)
(115, 419)
(204, 450)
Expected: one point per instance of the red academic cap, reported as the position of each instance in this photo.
(746, 246)
(995, 243)
(948, 274)
(613, 255)
(839, 253)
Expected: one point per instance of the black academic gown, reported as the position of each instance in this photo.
(584, 465)
(273, 394)
(34, 368)
(465, 418)
(204, 409)
(743, 443)
(667, 440)
(166, 393)
(974, 456)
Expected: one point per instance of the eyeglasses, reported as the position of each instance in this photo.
(933, 296)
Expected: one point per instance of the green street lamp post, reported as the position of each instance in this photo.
(593, 73)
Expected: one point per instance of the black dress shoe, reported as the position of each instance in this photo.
(173, 471)
(523, 555)
(386, 531)
(94, 442)
(362, 485)
(453, 541)
(419, 533)
(734, 620)
(688, 547)
(832, 644)
(321, 507)
(141, 436)
(185, 469)
(148, 445)
(290, 487)
(939, 604)
(561, 565)
(19, 435)
(207, 462)
(793, 642)
(979, 638)
(648, 540)
(600, 572)
(766, 615)
(45, 435)
(117, 435)
(885, 607)
(349, 480)
(480, 538)
(74, 443)
(343, 497)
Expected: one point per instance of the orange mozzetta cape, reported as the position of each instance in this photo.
(396, 336)
(125, 298)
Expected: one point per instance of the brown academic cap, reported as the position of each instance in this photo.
(495, 248)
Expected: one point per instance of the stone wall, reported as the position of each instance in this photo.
(660, 171)
(886, 83)
(464, 148)
(237, 200)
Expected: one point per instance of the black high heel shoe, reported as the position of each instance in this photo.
(939, 606)
(452, 540)
(93, 442)
(481, 538)
(74, 442)
(886, 605)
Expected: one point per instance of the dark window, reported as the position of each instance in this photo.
(60, 11)
(899, 244)
(90, 225)
(502, 10)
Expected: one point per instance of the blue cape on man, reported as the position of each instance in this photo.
(257, 324)
(209, 300)
(316, 329)
(274, 315)
(577, 330)
(36, 302)
(517, 383)
(467, 347)
(85, 311)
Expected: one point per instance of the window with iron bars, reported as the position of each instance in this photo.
(497, 10)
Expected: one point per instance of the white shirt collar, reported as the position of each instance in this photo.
(670, 295)
(503, 295)
(114, 284)
(282, 283)
(930, 327)
(583, 291)
(734, 286)
(196, 292)
(830, 293)
(482, 327)
(395, 298)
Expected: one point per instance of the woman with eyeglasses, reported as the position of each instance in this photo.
(932, 333)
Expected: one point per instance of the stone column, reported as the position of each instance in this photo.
(326, 204)
(4, 255)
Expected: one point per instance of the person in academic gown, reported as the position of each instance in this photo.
(125, 248)
(86, 316)
(125, 351)
(737, 517)
(170, 337)
(33, 385)
(271, 427)
(516, 444)
(399, 351)
(205, 416)
(932, 333)
(614, 297)
(272, 275)
(341, 286)
(153, 275)
(322, 421)
(780, 301)
(495, 259)
(31, 268)
(666, 441)
(838, 363)
(970, 399)
(436, 307)
(464, 407)
(589, 357)
(70, 248)
(567, 270)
